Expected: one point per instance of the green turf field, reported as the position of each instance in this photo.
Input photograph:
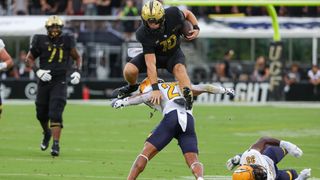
(99, 142)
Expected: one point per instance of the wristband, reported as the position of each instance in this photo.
(35, 68)
(77, 70)
(155, 86)
(3, 65)
(196, 27)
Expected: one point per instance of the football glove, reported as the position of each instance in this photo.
(3, 66)
(75, 78)
(291, 148)
(119, 103)
(233, 162)
(304, 174)
(44, 75)
(230, 92)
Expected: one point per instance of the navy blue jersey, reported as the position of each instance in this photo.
(54, 54)
(163, 43)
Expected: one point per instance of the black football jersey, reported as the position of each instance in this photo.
(166, 42)
(54, 54)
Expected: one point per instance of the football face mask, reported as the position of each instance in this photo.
(54, 26)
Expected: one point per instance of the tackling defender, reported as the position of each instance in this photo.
(54, 51)
(177, 123)
(159, 35)
(6, 63)
(260, 161)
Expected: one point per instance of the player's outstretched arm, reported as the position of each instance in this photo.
(132, 100)
(211, 89)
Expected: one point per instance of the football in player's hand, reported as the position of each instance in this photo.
(186, 28)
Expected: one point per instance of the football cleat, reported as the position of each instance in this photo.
(45, 141)
(55, 150)
(124, 91)
(187, 94)
(230, 92)
(292, 149)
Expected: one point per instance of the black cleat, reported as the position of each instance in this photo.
(124, 91)
(187, 94)
(45, 141)
(55, 150)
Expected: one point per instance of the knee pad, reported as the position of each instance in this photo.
(42, 112)
(56, 109)
(55, 116)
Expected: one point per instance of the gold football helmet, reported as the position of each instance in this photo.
(250, 172)
(54, 26)
(153, 12)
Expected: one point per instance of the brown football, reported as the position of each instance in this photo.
(187, 26)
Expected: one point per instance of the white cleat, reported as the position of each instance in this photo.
(304, 174)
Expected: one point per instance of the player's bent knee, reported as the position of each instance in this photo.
(179, 69)
(130, 68)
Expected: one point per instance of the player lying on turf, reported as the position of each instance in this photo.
(177, 123)
(260, 161)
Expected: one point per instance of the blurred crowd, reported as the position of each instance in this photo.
(228, 71)
(114, 7)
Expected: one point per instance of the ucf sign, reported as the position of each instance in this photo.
(276, 68)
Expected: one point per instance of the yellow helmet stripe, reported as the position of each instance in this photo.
(151, 7)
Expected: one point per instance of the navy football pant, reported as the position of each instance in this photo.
(169, 128)
(277, 153)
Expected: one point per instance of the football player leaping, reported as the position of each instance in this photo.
(260, 161)
(160, 35)
(177, 123)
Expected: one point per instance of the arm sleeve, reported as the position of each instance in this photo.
(138, 99)
(34, 47)
(209, 88)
